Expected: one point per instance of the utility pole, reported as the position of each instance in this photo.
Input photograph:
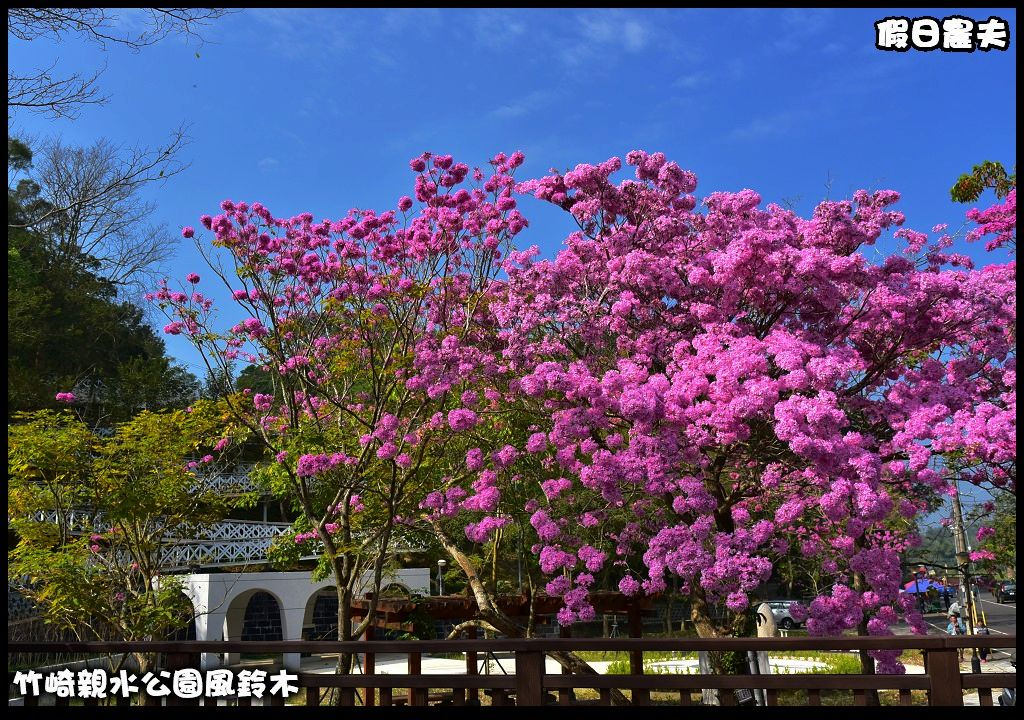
(963, 563)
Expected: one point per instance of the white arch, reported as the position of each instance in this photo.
(307, 616)
(214, 597)
(237, 606)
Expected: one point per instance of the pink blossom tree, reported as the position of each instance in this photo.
(370, 328)
(709, 389)
(679, 394)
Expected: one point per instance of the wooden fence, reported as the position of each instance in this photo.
(943, 683)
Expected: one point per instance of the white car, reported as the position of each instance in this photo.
(780, 609)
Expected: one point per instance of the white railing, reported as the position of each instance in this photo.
(228, 542)
(228, 482)
(239, 530)
(81, 521)
(197, 554)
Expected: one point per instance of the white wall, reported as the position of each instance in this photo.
(220, 600)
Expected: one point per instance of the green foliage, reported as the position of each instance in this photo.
(130, 493)
(252, 378)
(833, 663)
(49, 458)
(66, 326)
(970, 186)
(731, 663)
(19, 155)
(1004, 543)
(838, 664)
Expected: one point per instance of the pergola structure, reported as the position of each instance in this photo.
(395, 612)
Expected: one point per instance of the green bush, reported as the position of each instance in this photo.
(835, 663)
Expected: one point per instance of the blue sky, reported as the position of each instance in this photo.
(320, 110)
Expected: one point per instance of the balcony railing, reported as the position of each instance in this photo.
(942, 683)
(228, 542)
(228, 482)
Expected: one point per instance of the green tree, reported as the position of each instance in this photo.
(93, 517)
(253, 378)
(988, 175)
(67, 329)
(1003, 543)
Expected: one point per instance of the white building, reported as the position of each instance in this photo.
(221, 600)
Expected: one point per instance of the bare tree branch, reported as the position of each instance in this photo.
(42, 92)
(93, 210)
(105, 25)
(58, 97)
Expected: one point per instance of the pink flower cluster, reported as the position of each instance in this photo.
(310, 465)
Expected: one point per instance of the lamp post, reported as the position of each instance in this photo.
(963, 562)
(917, 587)
(440, 575)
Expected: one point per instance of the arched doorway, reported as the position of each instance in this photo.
(252, 615)
(321, 618)
(185, 630)
(262, 618)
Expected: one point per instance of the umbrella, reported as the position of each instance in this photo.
(923, 586)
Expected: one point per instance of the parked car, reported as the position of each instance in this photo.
(1005, 591)
(780, 609)
(984, 582)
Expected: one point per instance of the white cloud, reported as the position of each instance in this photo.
(764, 126)
(597, 28)
(305, 33)
(602, 31)
(634, 36)
(614, 27)
(522, 106)
(492, 28)
(803, 29)
(693, 80)
(395, 22)
(704, 79)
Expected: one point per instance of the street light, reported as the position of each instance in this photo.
(440, 575)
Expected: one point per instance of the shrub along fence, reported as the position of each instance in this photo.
(530, 684)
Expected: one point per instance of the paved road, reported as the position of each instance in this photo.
(1000, 618)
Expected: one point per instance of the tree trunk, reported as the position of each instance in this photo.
(344, 666)
(867, 663)
(504, 624)
(668, 612)
(714, 662)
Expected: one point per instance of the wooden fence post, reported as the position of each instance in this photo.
(417, 696)
(636, 657)
(472, 694)
(943, 668)
(529, 677)
(566, 695)
(181, 661)
(312, 697)
(369, 667)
